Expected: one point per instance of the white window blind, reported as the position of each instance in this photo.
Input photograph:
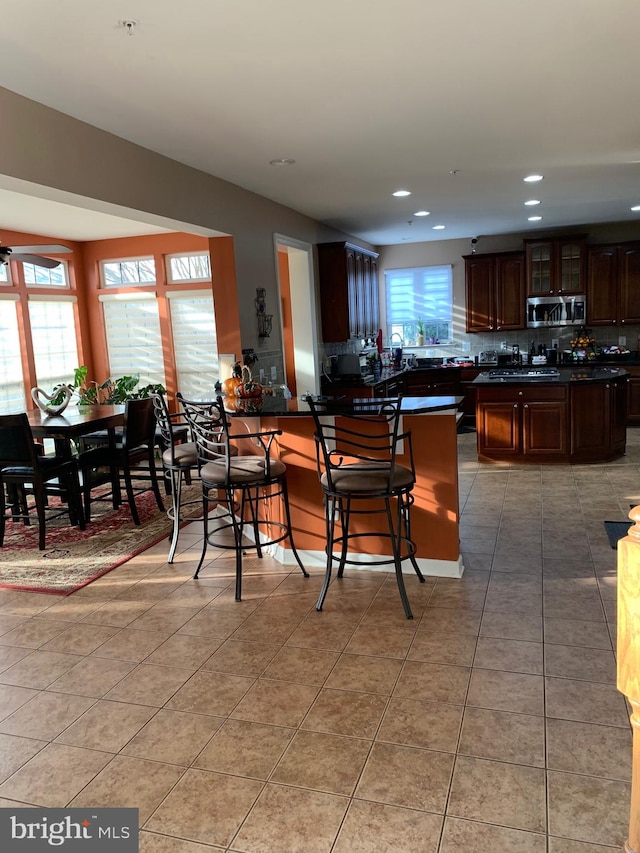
(194, 343)
(11, 377)
(188, 267)
(134, 341)
(420, 293)
(53, 337)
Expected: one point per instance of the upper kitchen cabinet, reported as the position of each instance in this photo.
(348, 291)
(613, 284)
(495, 292)
(556, 266)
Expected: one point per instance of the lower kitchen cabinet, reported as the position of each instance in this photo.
(572, 422)
(591, 419)
(633, 396)
(522, 422)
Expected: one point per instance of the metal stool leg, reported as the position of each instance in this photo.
(330, 508)
(287, 515)
(396, 544)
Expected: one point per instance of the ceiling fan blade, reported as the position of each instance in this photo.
(48, 249)
(39, 261)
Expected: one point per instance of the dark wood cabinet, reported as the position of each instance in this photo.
(495, 292)
(578, 422)
(348, 279)
(613, 284)
(633, 396)
(598, 419)
(521, 421)
(556, 266)
(439, 382)
(434, 382)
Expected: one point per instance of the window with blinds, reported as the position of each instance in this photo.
(53, 337)
(11, 377)
(4, 274)
(194, 343)
(420, 293)
(134, 341)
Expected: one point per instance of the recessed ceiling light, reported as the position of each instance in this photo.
(635, 207)
(532, 202)
(534, 218)
(532, 179)
(401, 193)
(426, 212)
(438, 227)
(285, 161)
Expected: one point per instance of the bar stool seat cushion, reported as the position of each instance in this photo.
(242, 470)
(367, 477)
(185, 455)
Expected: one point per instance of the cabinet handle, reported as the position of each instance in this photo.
(515, 405)
(520, 393)
(526, 406)
(607, 386)
(622, 321)
(614, 322)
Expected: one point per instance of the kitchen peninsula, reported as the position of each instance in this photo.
(434, 514)
(533, 415)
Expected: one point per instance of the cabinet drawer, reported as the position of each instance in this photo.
(521, 393)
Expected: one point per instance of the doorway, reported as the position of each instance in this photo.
(294, 269)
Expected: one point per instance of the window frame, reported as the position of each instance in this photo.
(63, 265)
(137, 259)
(406, 326)
(173, 282)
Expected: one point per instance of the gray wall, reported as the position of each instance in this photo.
(451, 252)
(50, 149)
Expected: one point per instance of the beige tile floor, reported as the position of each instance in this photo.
(490, 723)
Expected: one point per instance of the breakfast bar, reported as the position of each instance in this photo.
(435, 515)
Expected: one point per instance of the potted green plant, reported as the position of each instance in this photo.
(110, 392)
(420, 332)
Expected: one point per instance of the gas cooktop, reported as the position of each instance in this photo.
(503, 373)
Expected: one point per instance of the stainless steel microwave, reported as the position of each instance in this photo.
(545, 311)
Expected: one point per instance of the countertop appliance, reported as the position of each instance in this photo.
(543, 311)
(488, 357)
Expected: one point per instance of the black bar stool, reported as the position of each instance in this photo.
(356, 447)
(241, 484)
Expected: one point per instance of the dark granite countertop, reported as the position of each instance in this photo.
(277, 407)
(586, 373)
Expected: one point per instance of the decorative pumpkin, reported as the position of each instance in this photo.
(229, 385)
(247, 387)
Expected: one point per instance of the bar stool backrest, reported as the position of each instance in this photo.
(365, 436)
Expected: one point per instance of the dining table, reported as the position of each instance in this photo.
(73, 423)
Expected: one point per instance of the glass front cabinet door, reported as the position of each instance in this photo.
(556, 266)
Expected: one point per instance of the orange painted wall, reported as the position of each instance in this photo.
(84, 278)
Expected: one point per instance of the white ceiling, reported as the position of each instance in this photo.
(367, 96)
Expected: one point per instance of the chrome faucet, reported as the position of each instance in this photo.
(396, 335)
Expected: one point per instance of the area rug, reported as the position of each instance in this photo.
(73, 557)
(616, 530)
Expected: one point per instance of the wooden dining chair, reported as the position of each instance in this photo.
(132, 453)
(24, 470)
